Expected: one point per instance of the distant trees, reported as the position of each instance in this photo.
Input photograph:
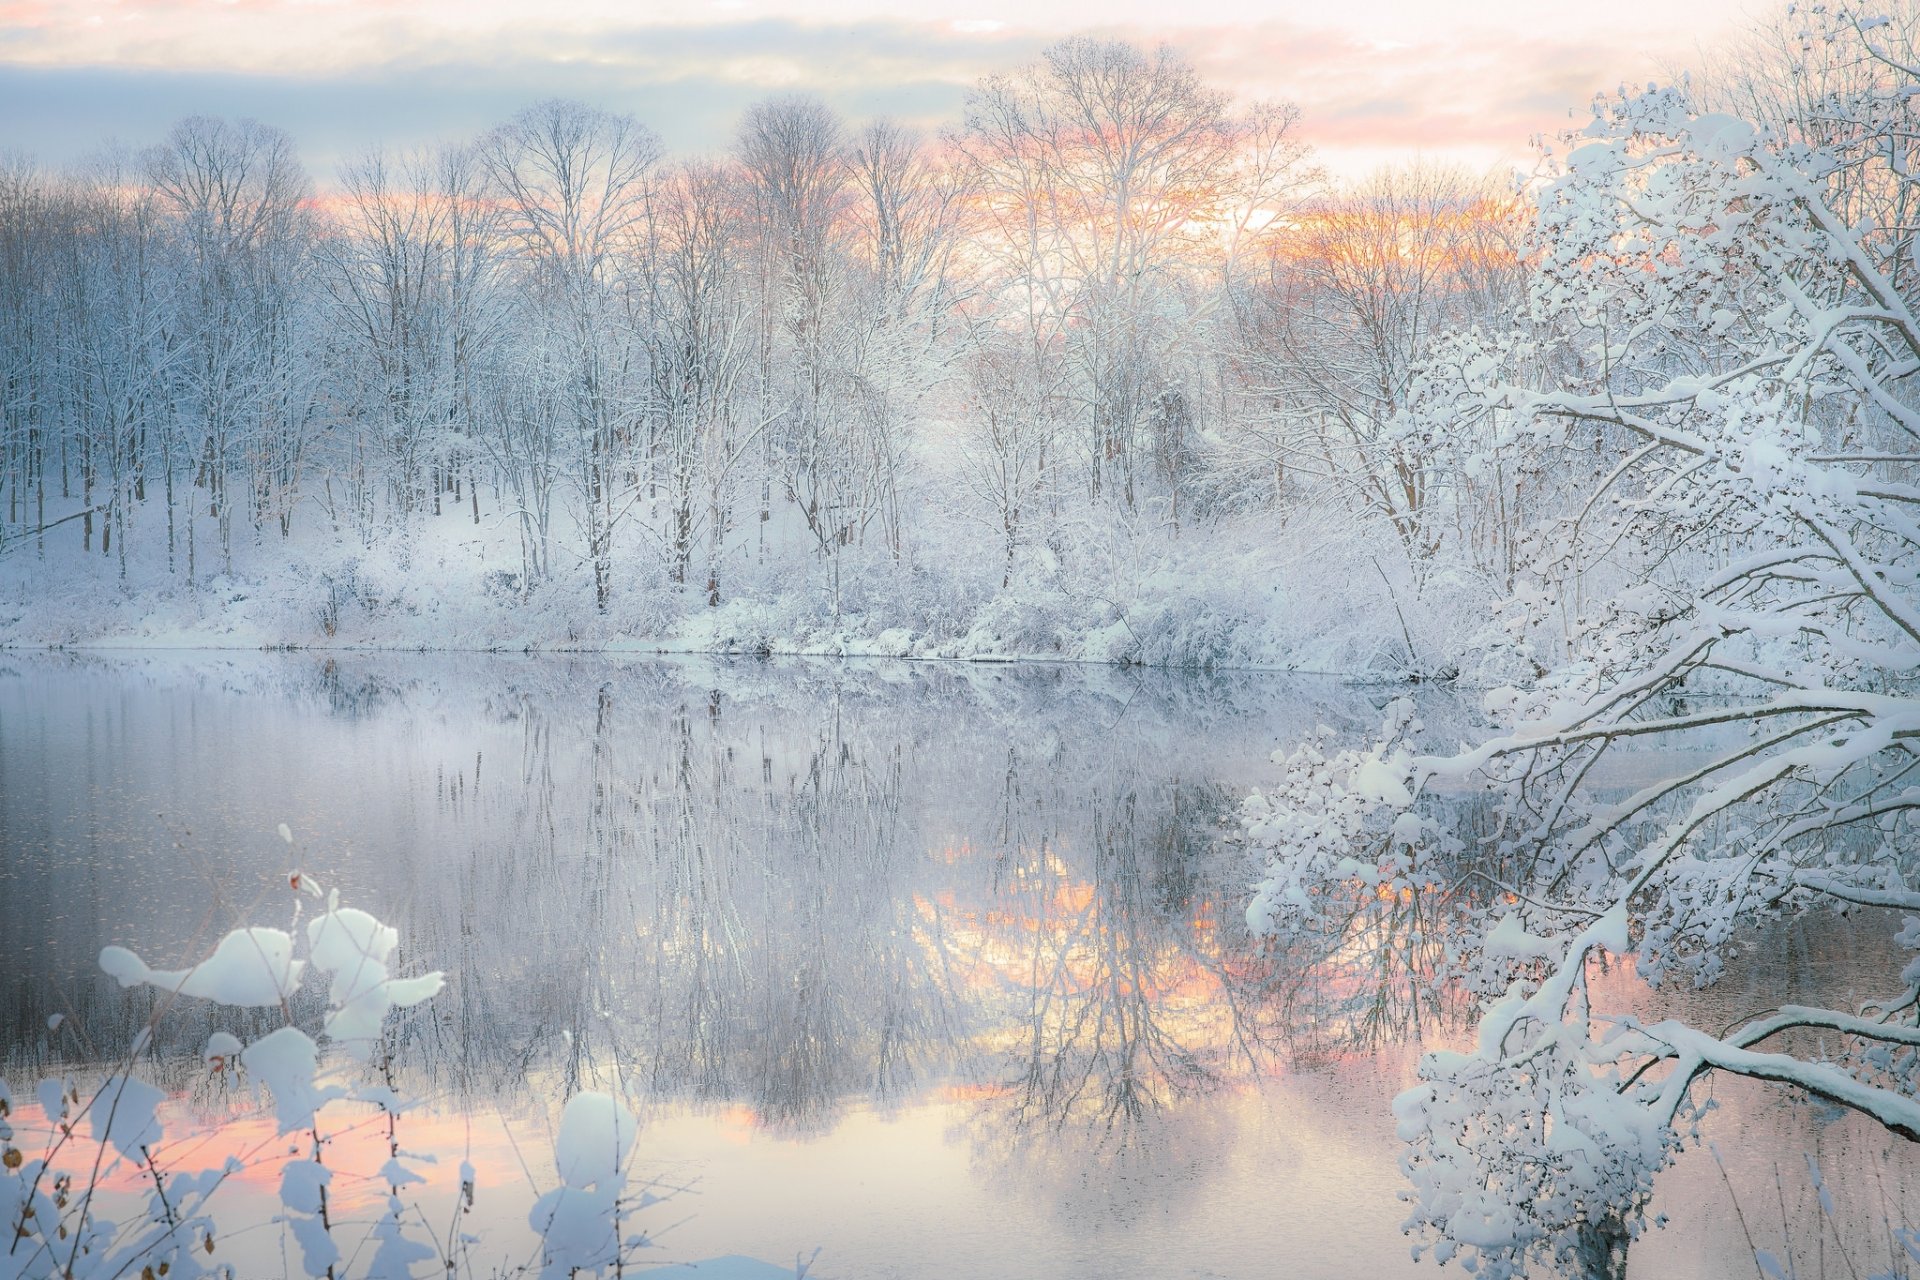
(1004, 448)
(704, 419)
(246, 379)
(574, 183)
(161, 340)
(1110, 181)
(856, 237)
(798, 172)
(1333, 330)
(410, 273)
(908, 278)
(112, 350)
(27, 221)
(840, 357)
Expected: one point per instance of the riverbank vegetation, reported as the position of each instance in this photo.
(1725, 327)
(1105, 370)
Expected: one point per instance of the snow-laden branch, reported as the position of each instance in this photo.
(1740, 586)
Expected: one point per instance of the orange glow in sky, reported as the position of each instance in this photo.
(1376, 79)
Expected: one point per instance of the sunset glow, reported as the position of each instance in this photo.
(1375, 81)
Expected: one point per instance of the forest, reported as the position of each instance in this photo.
(1008, 389)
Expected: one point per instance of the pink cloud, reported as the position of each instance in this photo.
(1373, 77)
(1469, 92)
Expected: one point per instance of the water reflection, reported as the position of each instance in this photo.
(1104, 942)
(782, 889)
(904, 916)
(1378, 966)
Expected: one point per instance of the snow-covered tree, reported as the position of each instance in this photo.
(1334, 329)
(699, 326)
(1739, 586)
(574, 181)
(238, 200)
(408, 278)
(1111, 182)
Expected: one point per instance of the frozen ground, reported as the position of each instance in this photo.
(1247, 595)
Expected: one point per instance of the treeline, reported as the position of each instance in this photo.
(1106, 300)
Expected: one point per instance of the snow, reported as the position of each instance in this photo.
(51, 1094)
(123, 1115)
(1509, 940)
(1199, 608)
(223, 1051)
(318, 1252)
(580, 1222)
(250, 967)
(729, 1267)
(397, 1253)
(286, 1061)
(596, 1135)
(1723, 137)
(1382, 782)
(302, 1185)
(354, 947)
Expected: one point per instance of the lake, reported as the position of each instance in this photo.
(937, 969)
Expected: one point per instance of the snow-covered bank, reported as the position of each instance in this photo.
(1235, 596)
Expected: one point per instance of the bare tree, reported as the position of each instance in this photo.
(700, 349)
(402, 279)
(1334, 332)
(795, 156)
(574, 182)
(907, 285)
(238, 198)
(1004, 448)
(1110, 180)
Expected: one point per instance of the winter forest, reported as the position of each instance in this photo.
(847, 387)
(1578, 848)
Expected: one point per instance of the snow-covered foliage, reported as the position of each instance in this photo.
(1337, 818)
(55, 1203)
(1011, 392)
(249, 967)
(1735, 736)
(581, 1219)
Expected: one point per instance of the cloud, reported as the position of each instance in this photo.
(1476, 93)
(343, 74)
(689, 84)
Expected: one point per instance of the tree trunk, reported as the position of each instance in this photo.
(1600, 1253)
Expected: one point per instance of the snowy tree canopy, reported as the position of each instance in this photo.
(1738, 585)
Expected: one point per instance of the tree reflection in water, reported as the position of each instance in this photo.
(783, 962)
(1376, 966)
(792, 890)
(763, 898)
(1107, 948)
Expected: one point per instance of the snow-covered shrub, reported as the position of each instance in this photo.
(1336, 818)
(55, 1201)
(1551, 1152)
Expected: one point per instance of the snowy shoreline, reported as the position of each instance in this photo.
(1223, 603)
(670, 648)
(892, 644)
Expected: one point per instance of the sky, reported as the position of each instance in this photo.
(1376, 80)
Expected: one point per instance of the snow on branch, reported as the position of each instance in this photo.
(1735, 736)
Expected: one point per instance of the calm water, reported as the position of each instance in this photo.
(935, 968)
